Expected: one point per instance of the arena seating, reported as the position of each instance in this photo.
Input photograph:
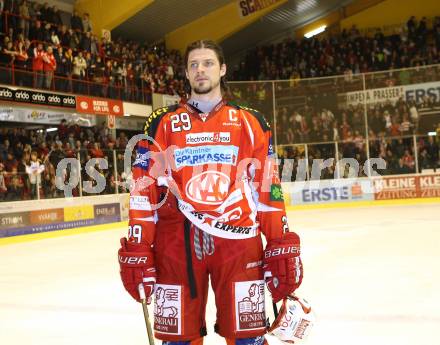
(85, 64)
(70, 141)
(348, 53)
(307, 128)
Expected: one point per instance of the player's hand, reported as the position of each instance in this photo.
(282, 265)
(136, 261)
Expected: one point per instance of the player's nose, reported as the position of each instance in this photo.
(200, 69)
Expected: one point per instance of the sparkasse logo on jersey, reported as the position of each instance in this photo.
(208, 138)
(208, 154)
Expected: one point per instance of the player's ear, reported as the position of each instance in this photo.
(186, 73)
(222, 70)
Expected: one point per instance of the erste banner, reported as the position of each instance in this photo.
(328, 191)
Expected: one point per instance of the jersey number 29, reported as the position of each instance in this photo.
(180, 122)
(135, 232)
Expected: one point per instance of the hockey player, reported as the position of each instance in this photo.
(210, 165)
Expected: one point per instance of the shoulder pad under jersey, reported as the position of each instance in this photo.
(155, 117)
(259, 116)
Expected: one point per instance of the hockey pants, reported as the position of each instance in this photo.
(235, 270)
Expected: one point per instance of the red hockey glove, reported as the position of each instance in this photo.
(137, 267)
(282, 265)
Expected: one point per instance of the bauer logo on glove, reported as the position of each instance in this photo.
(136, 263)
(133, 260)
(282, 266)
(282, 251)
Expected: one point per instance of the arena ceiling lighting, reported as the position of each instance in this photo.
(317, 31)
(53, 129)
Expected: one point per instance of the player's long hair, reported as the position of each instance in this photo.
(208, 44)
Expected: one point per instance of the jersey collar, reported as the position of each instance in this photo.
(196, 112)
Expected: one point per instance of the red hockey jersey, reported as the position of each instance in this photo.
(220, 166)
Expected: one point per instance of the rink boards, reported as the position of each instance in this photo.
(37, 216)
(365, 190)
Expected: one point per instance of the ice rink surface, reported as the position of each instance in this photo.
(371, 275)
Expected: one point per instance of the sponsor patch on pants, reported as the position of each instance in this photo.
(249, 305)
(168, 309)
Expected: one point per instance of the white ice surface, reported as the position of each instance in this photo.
(371, 275)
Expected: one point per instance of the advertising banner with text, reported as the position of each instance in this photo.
(406, 187)
(99, 106)
(44, 116)
(328, 191)
(363, 189)
(416, 92)
(37, 97)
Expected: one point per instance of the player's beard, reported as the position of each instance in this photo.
(203, 90)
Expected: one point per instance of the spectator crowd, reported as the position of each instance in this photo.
(42, 47)
(348, 53)
(390, 133)
(45, 48)
(29, 159)
(398, 154)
